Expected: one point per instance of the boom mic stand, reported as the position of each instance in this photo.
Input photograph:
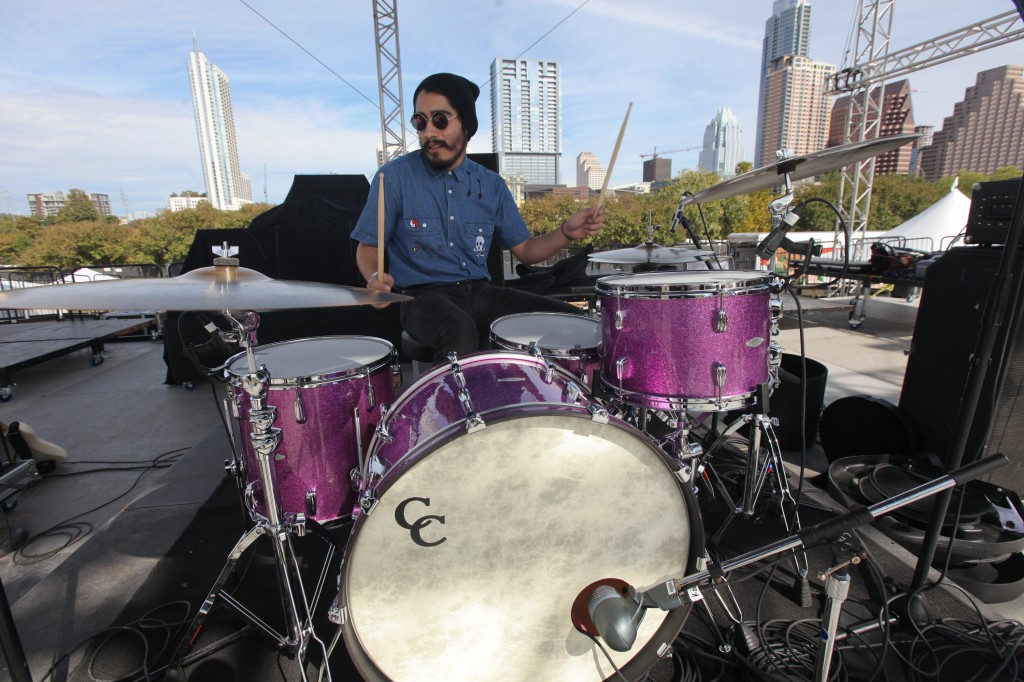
(677, 592)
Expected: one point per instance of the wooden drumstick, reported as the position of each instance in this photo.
(611, 164)
(380, 226)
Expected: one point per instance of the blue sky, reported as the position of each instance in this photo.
(95, 95)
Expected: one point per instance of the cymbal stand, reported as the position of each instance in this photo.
(297, 610)
(762, 461)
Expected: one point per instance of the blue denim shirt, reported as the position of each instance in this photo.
(439, 224)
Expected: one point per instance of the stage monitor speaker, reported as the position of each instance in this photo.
(991, 210)
(946, 335)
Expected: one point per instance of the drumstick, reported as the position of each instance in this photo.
(380, 226)
(611, 164)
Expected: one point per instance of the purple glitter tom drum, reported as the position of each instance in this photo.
(497, 491)
(686, 340)
(327, 392)
(571, 341)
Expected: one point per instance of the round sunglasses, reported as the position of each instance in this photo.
(440, 120)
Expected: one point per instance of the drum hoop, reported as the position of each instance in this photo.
(635, 668)
(669, 291)
(581, 353)
(312, 380)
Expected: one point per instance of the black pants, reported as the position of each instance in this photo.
(458, 317)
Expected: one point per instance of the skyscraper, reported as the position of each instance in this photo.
(227, 187)
(985, 132)
(526, 118)
(589, 171)
(796, 107)
(723, 144)
(897, 119)
(786, 32)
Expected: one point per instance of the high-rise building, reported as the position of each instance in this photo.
(526, 119)
(897, 119)
(926, 134)
(227, 187)
(796, 111)
(723, 144)
(985, 132)
(175, 204)
(50, 203)
(589, 171)
(786, 32)
(658, 169)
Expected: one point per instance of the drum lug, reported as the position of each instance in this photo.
(721, 321)
(300, 412)
(619, 315)
(620, 365)
(382, 426)
(311, 503)
(371, 396)
(396, 376)
(597, 413)
(336, 613)
(574, 392)
(720, 374)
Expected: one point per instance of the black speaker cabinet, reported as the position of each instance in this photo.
(946, 334)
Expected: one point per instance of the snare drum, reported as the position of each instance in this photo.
(497, 493)
(572, 341)
(686, 340)
(327, 392)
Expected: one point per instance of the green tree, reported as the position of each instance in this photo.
(78, 207)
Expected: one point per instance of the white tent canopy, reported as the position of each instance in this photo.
(936, 227)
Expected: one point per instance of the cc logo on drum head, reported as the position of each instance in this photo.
(419, 524)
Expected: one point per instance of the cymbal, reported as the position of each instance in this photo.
(800, 167)
(650, 253)
(216, 288)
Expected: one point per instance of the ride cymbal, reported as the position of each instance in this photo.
(213, 288)
(650, 253)
(800, 167)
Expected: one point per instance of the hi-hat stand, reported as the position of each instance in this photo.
(298, 611)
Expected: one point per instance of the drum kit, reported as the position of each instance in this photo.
(481, 498)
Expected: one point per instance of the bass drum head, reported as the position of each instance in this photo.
(468, 567)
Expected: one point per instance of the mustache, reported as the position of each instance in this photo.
(436, 141)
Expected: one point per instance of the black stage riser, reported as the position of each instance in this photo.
(946, 334)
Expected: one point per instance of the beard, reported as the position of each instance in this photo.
(445, 156)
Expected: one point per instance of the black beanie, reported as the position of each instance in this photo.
(461, 92)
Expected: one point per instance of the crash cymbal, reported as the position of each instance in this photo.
(215, 288)
(800, 167)
(650, 253)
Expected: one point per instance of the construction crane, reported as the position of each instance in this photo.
(655, 154)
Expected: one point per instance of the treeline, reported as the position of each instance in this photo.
(79, 236)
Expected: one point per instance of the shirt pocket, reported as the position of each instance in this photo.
(424, 235)
(478, 236)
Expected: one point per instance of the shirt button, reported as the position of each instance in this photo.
(449, 191)
(451, 217)
(451, 243)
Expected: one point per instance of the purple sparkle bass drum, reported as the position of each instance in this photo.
(687, 340)
(571, 341)
(496, 492)
(327, 393)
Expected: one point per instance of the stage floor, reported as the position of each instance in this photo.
(143, 515)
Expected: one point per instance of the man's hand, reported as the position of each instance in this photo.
(380, 281)
(584, 223)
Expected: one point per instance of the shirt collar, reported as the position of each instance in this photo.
(459, 173)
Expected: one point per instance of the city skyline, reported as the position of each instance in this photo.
(95, 97)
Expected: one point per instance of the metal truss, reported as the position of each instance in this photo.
(389, 79)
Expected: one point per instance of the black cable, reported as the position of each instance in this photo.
(75, 531)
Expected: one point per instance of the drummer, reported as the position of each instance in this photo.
(442, 211)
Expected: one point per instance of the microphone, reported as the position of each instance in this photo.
(770, 244)
(615, 617)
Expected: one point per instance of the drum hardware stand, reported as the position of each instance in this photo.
(679, 592)
(265, 437)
